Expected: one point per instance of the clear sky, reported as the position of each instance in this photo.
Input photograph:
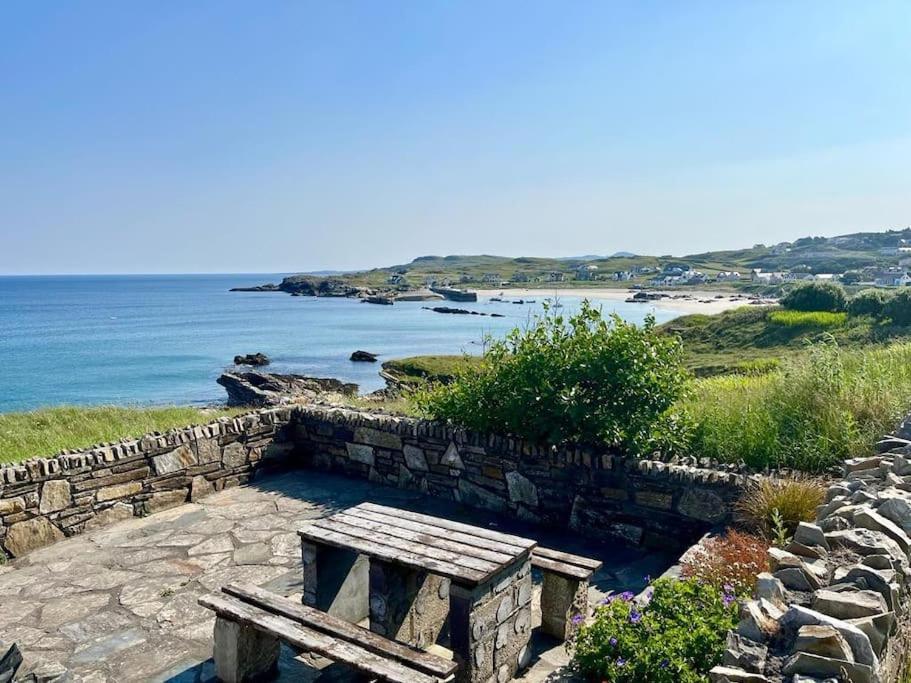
(272, 136)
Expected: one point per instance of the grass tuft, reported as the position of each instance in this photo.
(48, 431)
(807, 319)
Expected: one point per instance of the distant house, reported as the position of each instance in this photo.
(892, 277)
(397, 279)
(622, 276)
(556, 276)
(519, 276)
(491, 278)
(586, 272)
(728, 276)
(770, 278)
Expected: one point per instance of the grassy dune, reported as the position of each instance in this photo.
(49, 430)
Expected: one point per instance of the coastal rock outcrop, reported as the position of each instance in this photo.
(310, 285)
(256, 359)
(363, 357)
(263, 389)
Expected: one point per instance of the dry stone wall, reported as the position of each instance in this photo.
(599, 494)
(834, 606)
(47, 499)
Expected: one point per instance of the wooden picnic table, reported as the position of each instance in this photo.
(407, 572)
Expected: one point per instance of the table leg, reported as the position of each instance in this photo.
(407, 605)
(491, 625)
(562, 599)
(336, 581)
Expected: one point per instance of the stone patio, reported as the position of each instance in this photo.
(119, 604)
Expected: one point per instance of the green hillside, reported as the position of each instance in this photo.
(813, 255)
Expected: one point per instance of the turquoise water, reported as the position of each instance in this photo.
(165, 339)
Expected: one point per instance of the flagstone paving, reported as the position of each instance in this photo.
(120, 603)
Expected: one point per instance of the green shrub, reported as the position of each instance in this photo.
(815, 296)
(676, 638)
(823, 406)
(898, 307)
(582, 379)
(808, 319)
(868, 302)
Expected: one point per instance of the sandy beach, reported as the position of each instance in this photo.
(687, 302)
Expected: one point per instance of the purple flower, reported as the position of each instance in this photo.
(728, 599)
(613, 641)
(577, 619)
(621, 661)
(727, 588)
(605, 601)
(635, 616)
(664, 664)
(627, 595)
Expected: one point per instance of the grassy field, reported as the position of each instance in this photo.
(822, 406)
(418, 369)
(47, 431)
(745, 338)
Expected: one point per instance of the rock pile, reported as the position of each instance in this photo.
(257, 359)
(835, 599)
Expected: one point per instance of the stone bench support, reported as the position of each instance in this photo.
(562, 598)
(243, 653)
(491, 626)
(407, 605)
(336, 581)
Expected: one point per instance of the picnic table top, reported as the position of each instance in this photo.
(467, 554)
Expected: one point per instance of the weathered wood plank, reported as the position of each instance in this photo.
(420, 536)
(438, 532)
(339, 628)
(306, 639)
(387, 554)
(562, 568)
(506, 539)
(334, 523)
(568, 558)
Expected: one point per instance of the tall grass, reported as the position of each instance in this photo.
(821, 407)
(808, 319)
(50, 430)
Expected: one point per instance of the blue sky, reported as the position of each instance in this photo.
(173, 136)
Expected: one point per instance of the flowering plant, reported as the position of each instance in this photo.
(675, 635)
(731, 560)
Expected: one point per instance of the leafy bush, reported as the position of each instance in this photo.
(818, 319)
(676, 638)
(898, 307)
(868, 302)
(731, 560)
(582, 379)
(815, 296)
(825, 405)
(791, 500)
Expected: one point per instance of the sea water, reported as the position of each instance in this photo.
(164, 339)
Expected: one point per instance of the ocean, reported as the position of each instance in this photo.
(164, 339)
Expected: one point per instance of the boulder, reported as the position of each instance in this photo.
(744, 653)
(23, 537)
(822, 667)
(728, 674)
(255, 359)
(363, 357)
(810, 535)
(849, 604)
(870, 519)
(263, 389)
(798, 616)
(824, 641)
(758, 620)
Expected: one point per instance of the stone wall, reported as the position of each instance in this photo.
(46, 499)
(599, 494)
(835, 604)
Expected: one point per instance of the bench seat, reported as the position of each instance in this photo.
(251, 622)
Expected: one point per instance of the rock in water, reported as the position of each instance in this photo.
(363, 356)
(262, 389)
(257, 359)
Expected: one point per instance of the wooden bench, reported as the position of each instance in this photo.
(251, 623)
(564, 594)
